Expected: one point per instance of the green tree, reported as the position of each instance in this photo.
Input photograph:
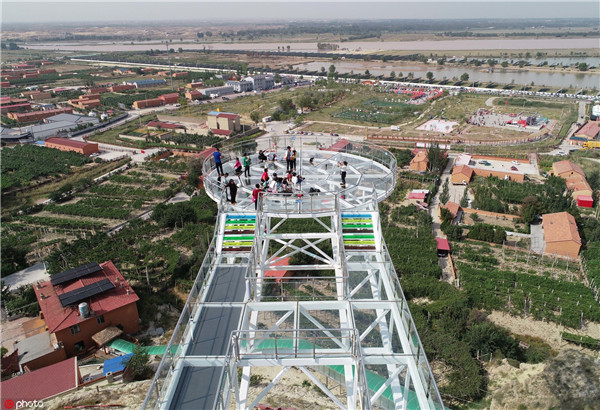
(137, 368)
(464, 77)
(277, 78)
(393, 75)
(286, 105)
(485, 338)
(504, 64)
(255, 116)
(445, 195)
(583, 66)
(61, 193)
(429, 75)
(436, 157)
(305, 101)
(464, 201)
(445, 215)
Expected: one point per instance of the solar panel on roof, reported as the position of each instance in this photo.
(70, 298)
(75, 273)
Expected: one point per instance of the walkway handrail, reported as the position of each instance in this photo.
(198, 290)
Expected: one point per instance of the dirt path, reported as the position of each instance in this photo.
(547, 331)
(490, 101)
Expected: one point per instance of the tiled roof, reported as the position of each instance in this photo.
(590, 129)
(463, 169)
(221, 132)
(67, 142)
(561, 167)
(229, 115)
(59, 317)
(453, 207)
(42, 383)
(207, 153)
(560, 227)
(339, 145)
(420, 157)
(578, 183)
(442, 244)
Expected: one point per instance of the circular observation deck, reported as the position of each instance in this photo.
(370, 176)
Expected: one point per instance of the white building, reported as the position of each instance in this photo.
(217, 91)
(261, 82)
(240, 86)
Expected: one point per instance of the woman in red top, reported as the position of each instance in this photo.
(255, 193)
(265, 175)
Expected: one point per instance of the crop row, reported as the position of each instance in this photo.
(62, 222)
(24, 163)
(140, 180)
(85, 210)
(111, 189)
(543, 297)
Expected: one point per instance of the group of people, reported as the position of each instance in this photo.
(290, 156)
(288, 184)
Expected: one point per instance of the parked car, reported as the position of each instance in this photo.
(513, 168)
(516, 162)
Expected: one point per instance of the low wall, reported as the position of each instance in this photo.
(500, 174)
(507, 159)
(488, 213)
(182, 119)
(455, 140)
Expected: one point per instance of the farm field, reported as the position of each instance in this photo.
(99, 208)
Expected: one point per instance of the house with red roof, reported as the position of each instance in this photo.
(455, 210)
(79, 303)
(42, 383)
(219, 122)
(66, 144)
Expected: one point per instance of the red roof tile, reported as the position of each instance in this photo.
(442, 244)
(67, 142)
(417, 195)
(42, 383)
(221, 132)
(339, 145)
(58, 317)
(228, 115)
(207, 153)
(453, 207)
(559, 227)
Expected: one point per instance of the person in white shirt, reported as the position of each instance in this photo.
(343, 171)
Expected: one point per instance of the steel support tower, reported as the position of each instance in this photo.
(304, 281)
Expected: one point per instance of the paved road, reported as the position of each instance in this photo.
(564, 147)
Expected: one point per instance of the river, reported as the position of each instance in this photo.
(368, 46)
(499, 75)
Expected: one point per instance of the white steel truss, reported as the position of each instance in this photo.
(318, 295)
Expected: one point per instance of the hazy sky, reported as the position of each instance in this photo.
(23, 11)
